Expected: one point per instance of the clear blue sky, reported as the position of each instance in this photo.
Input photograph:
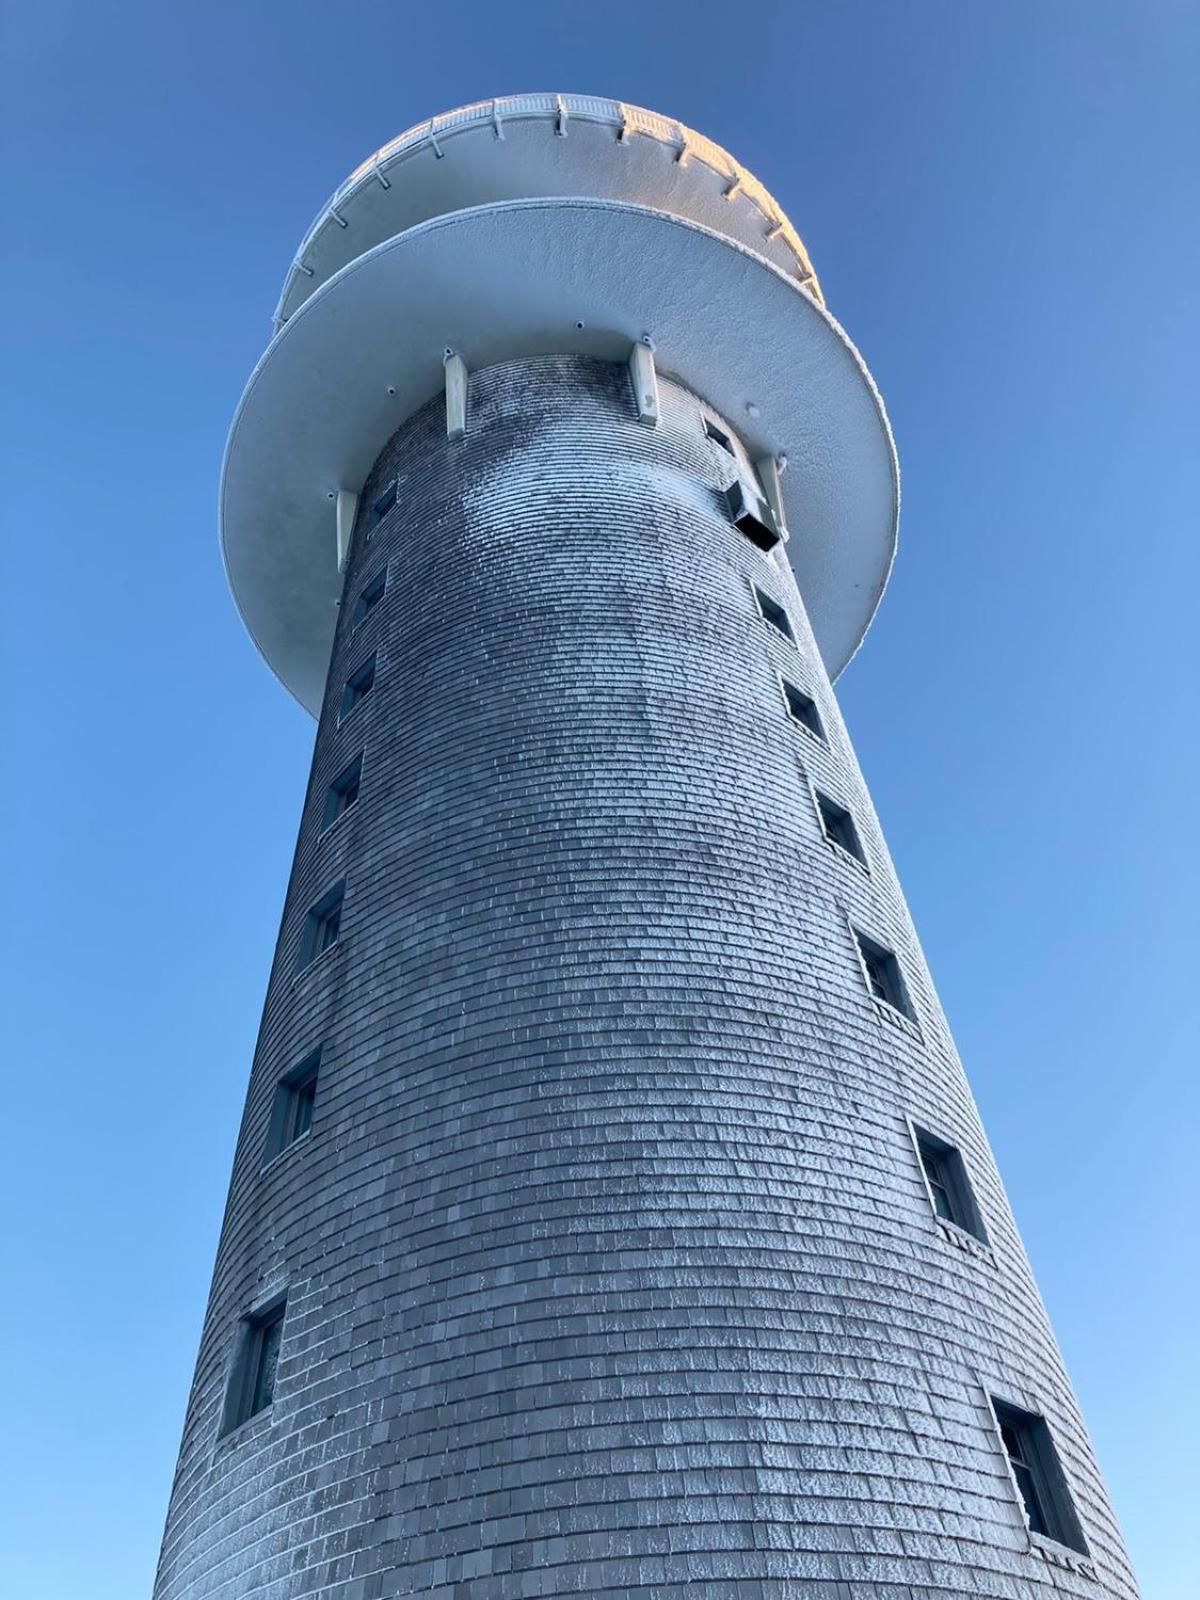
(1000, 200)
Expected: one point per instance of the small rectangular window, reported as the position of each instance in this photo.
(771, 611)
(802, 708)
(838, 827)
(1038, 1475)
(751, 515)
(358, 686)
(342, 792)
(884, 978)
(384, 503)
(292, 1113)
(718, 435)
(252, 1382)
(369, 598)
(946, 1180)
(322, 925)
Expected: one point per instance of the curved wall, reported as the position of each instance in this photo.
(609, 1263)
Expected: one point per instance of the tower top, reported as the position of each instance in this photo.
(534, 224)
(498, 151)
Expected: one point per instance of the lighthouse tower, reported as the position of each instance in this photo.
(610, 1215)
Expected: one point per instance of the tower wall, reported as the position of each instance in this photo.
(609, 1263)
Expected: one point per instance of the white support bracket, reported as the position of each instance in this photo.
(645, 384)
(457, 378)
(347, 510)
(766, 470)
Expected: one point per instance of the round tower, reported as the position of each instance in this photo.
(610, 1214)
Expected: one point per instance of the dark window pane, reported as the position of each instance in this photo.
(342, 792)
(358, 685)
(306, 1094)
(803, 709)
(385, 502)
(883, 974)
(321, 926)
(269, 1336)
(839, 827)
(950, 1186)
(370, 597)
(1029, 1495)
(1036, 1472)
(330, 923)
(941, 1199)
(774, 613)
(718, 435)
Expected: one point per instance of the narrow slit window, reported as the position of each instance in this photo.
(946, 1179)
(295, 1099)
(802, 708)
(718, 436)
(342, 792)
(771, 611)
(1038, 1475)
(358, 686)
(369, 598)
(838, 827)
(884, 978)
(252, 1385)
(322, 925)
(383, 504)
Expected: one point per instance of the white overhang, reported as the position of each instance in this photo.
(365, 350)
(529, 146)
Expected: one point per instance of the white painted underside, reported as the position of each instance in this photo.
(514, 279)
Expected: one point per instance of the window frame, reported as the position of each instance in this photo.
(379, 578)
(313, 945)
(383, 502)
(368, 664)
(856, 851)
(336, 790)
(714, 431)
(1053, 1500)
(760, 594)
(283, 1132)
(898, 1002)
(966, 1216)
(246, 1370)
(787, 688)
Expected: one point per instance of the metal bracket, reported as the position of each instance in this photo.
(457, 380)
(766, 470)
(645, 384)
(347, 510)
